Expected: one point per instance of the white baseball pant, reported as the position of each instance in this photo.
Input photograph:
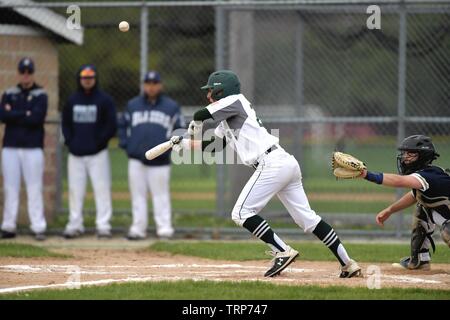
(29, 163)
(156, 179)
(278, 174)
(97, 166)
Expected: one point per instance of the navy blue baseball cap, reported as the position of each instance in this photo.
(152, 76)
(26, 64)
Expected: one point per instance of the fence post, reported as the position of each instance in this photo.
(241, 41)
(401, 109)
(220, 38)
(298, 145)
(144, 42)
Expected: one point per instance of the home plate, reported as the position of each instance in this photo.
(397, 265)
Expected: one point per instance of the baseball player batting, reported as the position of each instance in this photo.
(276, 173)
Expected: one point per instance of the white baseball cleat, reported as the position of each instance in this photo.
(281, 261)
(350, 270)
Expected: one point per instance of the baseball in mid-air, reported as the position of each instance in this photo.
(124, 26)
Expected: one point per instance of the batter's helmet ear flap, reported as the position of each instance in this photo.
(218, 94)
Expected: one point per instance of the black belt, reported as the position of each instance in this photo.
(272, 148)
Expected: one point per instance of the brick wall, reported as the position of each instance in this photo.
(43, 51)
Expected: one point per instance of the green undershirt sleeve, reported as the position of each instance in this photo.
(202, 115)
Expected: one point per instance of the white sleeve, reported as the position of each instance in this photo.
(219, 132)
(422, 180)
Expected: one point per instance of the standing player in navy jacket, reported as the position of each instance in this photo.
(149, 120)
(89, 122)
(23, 109)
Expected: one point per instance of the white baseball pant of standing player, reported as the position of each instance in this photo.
(277, 173)
(97, 167)
(155, 179)
(29, 163)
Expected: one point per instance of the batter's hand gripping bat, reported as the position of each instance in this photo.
(158, 150)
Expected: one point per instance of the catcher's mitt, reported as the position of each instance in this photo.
(346, 166)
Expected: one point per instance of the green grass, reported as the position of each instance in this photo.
(196, 220)
(333, 206)
(182, 206)
(192, 206)
(179, 220)
(18, 250)
(343, 207)
(209, 290)
(314, 251)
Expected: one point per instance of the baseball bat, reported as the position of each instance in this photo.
(158, 150)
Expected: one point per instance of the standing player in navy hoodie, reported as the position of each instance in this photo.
(147, 121)
(89, 122)
(23, 109)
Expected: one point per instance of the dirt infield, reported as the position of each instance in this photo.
(103, 266)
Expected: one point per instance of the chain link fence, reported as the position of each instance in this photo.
(313, 70)
(328, 82)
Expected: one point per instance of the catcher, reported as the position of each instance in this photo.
(430, 192)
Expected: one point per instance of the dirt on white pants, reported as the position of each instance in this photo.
(156, 179)
(97, 167)
(29, 164)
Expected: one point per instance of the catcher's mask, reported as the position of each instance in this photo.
(223, 83)
(426, 154)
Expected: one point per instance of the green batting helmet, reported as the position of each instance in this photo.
(223, 83)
